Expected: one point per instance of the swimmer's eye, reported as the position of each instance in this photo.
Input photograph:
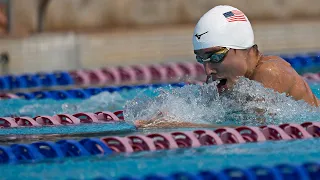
(222, 51)
(215, 57)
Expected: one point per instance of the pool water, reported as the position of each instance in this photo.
(192, 103)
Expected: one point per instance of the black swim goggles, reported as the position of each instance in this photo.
(215, 57)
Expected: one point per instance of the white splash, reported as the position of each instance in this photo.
(203, 104)
(104, 101)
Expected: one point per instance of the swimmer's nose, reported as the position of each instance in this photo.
(209, 69)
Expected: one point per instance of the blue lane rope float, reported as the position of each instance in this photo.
(25, 81)
(85, 93)
(37, 151)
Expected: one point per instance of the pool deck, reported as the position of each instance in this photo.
(144, 45)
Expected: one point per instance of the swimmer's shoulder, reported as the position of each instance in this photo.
(273, 68)
(273, 60)
(273, 65)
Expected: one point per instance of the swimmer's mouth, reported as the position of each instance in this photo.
(222, 83)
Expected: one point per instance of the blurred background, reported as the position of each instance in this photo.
(46, 35)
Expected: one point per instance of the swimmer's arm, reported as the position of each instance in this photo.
(171, 124)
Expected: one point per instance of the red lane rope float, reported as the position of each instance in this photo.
(119, 114)
(273, 132)
(112, 75)
(97, 77)
(138, 73)
(87, 117)
(163, 141)
(158, 72)
(207, 137)
(141, 143)
(107, 116)
(251, 134)
(127, 75)
(26, 121)
(118, 144)
(311, 76)
(67, 119)
(312, 128)
(61, 119)
(295, 131)
(185, 139)
(8, 96)
(219, 136)
(81, 77)
(143, 74)
(148, 73)
(229, 135)
(6, 122)
(47, 120)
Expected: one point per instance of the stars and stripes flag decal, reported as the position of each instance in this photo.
(234, 16)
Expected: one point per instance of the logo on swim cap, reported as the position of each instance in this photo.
(199, 35)
(234, 16)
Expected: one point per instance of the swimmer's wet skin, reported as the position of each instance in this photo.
(227, 51)
(223, 42)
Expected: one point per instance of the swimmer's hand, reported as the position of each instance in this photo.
(162, 120)
(162, 123)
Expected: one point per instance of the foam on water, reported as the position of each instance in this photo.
(249, 103)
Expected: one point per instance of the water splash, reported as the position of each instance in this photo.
(104, 101)
(249, 103)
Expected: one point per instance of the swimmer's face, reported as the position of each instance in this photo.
(228, 70)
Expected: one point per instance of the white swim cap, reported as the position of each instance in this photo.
(223, 26)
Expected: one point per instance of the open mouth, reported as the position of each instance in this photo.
(222, 83)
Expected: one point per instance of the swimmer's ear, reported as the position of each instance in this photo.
(254, 49)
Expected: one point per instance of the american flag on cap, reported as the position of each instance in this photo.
(234, 16)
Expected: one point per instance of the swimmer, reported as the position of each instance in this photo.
(223, 42)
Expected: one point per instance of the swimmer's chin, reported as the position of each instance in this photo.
(227, 86)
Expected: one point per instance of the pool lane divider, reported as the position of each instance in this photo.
(37, 151)
(135, 74)
(83, 93)
(102, 121)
